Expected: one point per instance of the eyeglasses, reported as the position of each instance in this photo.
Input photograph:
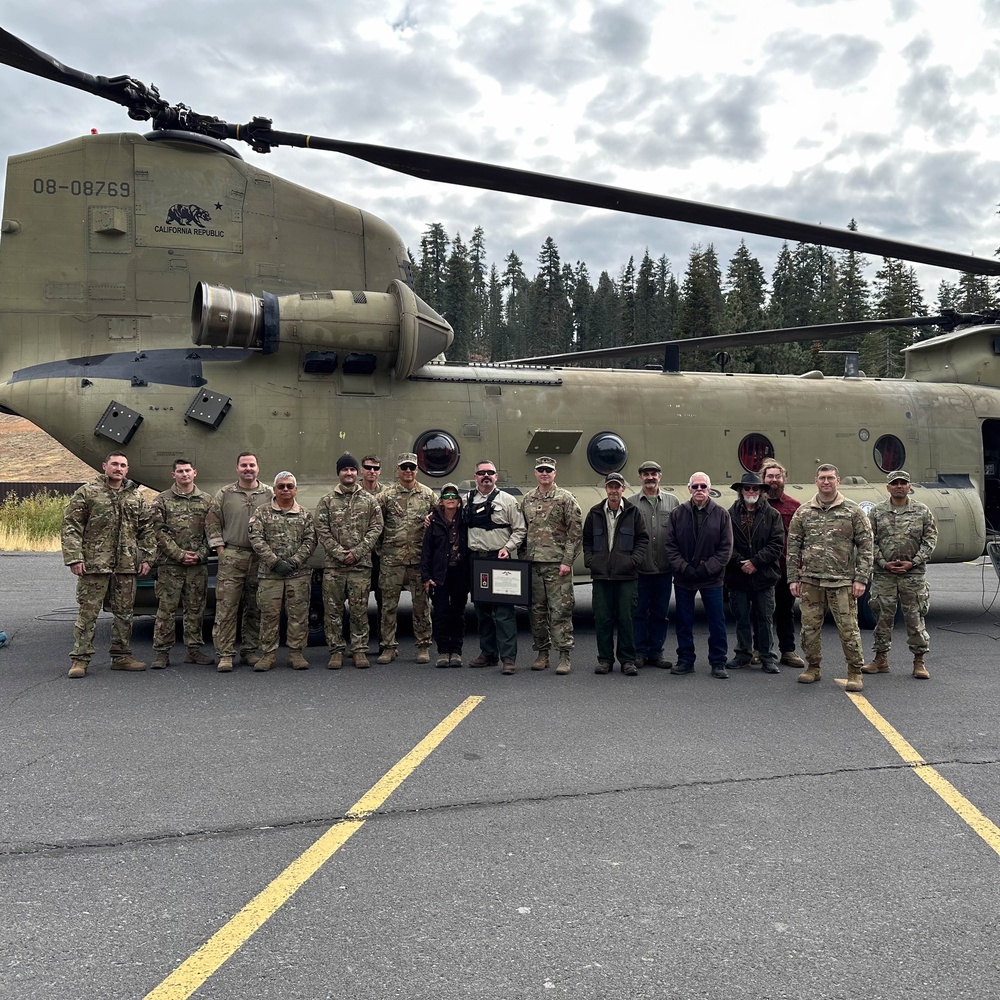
(487, 472)
(694, 487)
(545, 468)
(285, 486)
(371, 468)
(408, 467)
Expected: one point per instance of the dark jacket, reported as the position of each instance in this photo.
(631, 539)
(764, 547)
(434, 551)
(699, 560)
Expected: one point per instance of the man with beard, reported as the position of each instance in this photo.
(773, 474)
(758, 542)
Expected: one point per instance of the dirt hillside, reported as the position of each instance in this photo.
(30, 455)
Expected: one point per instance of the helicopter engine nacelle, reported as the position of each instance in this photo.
(396, 327)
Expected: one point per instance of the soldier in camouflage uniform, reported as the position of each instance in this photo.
(283, 536)
(107, 539)
(905, 536)
(555, 536)
(349, 525)
(371, 469)
(178, 517)
(829, 563)
(405, 506)
(226, 525)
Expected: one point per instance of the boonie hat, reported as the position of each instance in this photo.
(895, 476)
(406, 456)
(614, 477)
(649, 467)
(545, 463)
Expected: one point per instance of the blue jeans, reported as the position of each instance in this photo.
(718, 642)
(651, 614)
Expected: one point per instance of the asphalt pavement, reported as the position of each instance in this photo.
(415, 832)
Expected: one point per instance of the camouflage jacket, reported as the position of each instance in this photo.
(909, 532)
(108, 530)
(282, 534)
(179, 524)
(555, 526)
(829, 546)
(376, 495)
(404, 511)
(228, 518)
(348, 521)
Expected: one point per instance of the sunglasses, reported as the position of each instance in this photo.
(449, 496)
(694, 487)
(371, 468)
(545, 468)
(285, 486)
(488, 472)
(408, 467)
(750, 489)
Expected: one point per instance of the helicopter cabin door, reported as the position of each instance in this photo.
(991, 473)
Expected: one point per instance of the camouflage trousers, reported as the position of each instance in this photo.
(914, 595)
(177, 585)
(352, 585)
(295, 591)
(843, 605)
(551, 611)
(90, 591)
(236, 590)
(391, 582)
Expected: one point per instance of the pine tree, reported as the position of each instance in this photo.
(517, 310)
(433, 261)
(477, 263)
(459, 304)
(702, 306)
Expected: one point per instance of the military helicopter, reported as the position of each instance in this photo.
(160, 294)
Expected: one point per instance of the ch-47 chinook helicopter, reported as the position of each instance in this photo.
(306, 339)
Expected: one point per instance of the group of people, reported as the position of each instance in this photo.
(765, 550)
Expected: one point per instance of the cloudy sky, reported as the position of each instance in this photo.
(818, 110)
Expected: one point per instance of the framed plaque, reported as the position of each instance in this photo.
(501, 581)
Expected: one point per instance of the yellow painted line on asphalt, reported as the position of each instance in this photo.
(948, 793)
(222, 945)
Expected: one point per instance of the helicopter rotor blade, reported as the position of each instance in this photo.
(824, 331)
(141, 101)
(144, 103)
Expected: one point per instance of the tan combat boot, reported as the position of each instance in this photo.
(879, 664)
(361, 661)
(250, 658)
(336, 661)
(264, 662)
(296, 660)
(126, 661)
(563, 667)
(810, 675)
(854, 677)
(77, 667)
(161, 660)
(541, 661)
(195, 655)
(387, 655)
(423, 654)
(919, 670)
(225, 665)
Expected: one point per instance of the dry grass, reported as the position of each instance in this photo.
(32, 524)
(21, 541)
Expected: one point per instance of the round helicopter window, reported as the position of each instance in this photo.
(754, 448)
(607, 452)
(889, 453)
(437, 453)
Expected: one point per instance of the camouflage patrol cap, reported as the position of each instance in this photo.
(899, 474)
(450, 489)
(649, 467)
(545, 463)
(404, 457)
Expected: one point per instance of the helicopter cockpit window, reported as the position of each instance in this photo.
(607, 452)
(889, 453)
(437, 453)
(754, 448)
